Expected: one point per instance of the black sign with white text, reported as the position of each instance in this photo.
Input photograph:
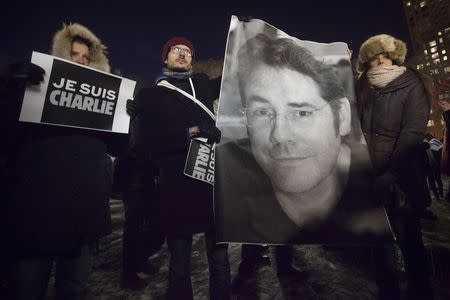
(200, 161)
(80, 97)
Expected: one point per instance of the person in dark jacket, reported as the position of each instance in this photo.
(394, 109)
(433, 149)
(61, 182)
(138, 187)
(432, 167)
(166, 120)
(445, 106)
(13, 76)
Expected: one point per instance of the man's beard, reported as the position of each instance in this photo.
(181, 70)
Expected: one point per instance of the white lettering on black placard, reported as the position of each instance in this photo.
(200, 161)
(80, 97)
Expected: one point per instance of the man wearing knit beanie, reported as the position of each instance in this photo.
(168, 115)
(177, 54)
(177, 41)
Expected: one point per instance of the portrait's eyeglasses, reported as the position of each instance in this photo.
(178, 50)
(261, 117)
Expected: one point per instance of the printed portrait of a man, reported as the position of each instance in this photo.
(297, 174)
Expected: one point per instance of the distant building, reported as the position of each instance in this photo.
(429, 27)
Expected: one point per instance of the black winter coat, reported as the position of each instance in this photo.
(160, 134)
(59, 182)
(394, 121)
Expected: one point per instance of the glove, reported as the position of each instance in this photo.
(131, 108)
(385, 181)
(27, 71)
(244, 18)
(383, 189)
(211, 132)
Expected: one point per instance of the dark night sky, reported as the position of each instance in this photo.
(135, 31)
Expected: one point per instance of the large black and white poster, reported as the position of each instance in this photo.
(77, 96)
(292, 165)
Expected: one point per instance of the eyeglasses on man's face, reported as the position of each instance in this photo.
(178, 50)
(262, 117)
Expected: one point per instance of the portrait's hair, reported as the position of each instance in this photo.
(285, 53)
(82, 40)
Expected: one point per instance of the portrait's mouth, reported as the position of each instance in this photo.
(289, 158)
(280, 154)
(181, 61)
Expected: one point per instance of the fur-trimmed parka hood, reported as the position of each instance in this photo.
(62, 45)
(382, 43)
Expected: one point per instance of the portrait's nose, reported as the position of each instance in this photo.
(280, 130)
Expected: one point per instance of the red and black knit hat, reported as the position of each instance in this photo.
(177, 40)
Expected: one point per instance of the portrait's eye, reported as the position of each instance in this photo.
(261, 113)
(301, 114)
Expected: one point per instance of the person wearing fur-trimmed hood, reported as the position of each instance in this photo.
(394, 109)
(61, 183)
(63, 42)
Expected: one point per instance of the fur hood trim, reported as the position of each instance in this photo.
(395, 49)
(62, 44)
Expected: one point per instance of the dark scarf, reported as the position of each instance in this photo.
(175, 74)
